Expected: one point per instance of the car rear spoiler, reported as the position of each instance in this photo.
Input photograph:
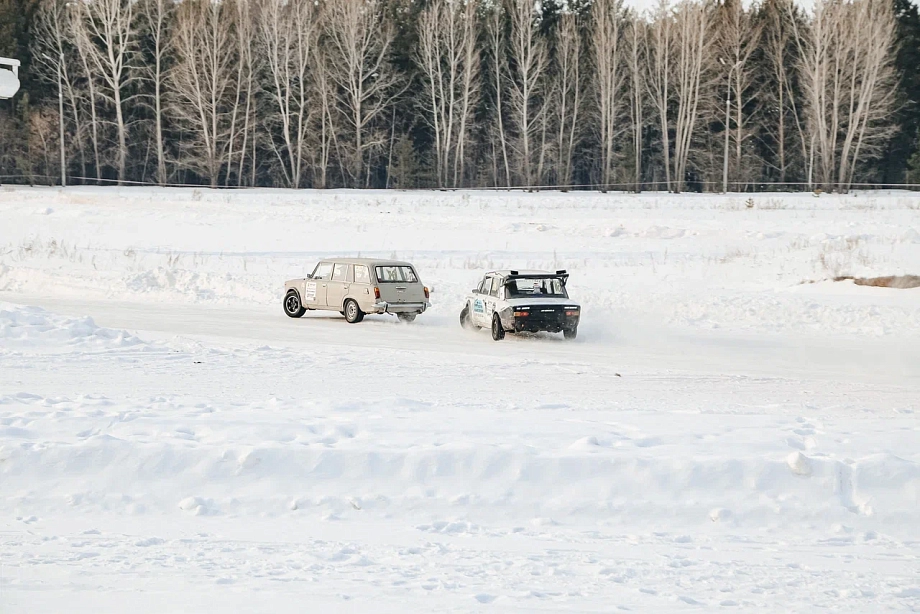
(562, 274)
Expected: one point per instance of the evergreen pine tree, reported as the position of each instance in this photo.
(913, 165)
(904, 144)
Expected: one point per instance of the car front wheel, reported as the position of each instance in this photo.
(353, 313)
(292, 306)
(498, 331)
(466, 322)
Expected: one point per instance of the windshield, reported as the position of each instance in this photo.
(396, 274)
(524, 287)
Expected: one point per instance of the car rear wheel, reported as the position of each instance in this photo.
(292, 306)
(570, 333)
(498, 332)
(353, 313)
(406, 317)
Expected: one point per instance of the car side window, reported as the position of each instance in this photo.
(362, 275)
(496, 284)
(323, 271)
(339, 272)
(485, 285)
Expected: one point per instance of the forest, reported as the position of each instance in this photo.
(697, 95)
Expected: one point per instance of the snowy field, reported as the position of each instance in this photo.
(732, 430)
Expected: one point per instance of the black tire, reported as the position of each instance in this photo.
(292, 305)
(570, 333)
(498, 331)
(406, 317)
(353, 313)
(466, 322)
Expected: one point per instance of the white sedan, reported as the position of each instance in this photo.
(518, 301)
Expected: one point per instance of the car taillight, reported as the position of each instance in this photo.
(521, 314)
(377, 293)
(571, 313)
(426, 292)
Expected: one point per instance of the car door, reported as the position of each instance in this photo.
(338, 286)
(360, 287)
(492, 297)
(314, 296)
(479, 302)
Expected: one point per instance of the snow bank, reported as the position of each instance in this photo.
(33, 329)
(125, 476)
(168, 458)
(165, 284)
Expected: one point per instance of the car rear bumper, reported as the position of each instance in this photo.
(549, 318)
(385, 307)
(552, 325)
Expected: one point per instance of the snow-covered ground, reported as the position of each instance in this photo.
(731, 428)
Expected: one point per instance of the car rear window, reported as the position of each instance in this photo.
(396, 275)
(524, 287)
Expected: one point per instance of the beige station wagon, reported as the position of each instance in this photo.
(358, 286)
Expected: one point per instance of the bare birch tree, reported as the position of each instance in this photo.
(288, 35)
(111, 34)
(526, 85)
(448, 57)
(325, 95)
(51, 53)
(849, 83)
(777, 42)
(83, 44)
(691, 41)
(739, 38)
(471, 84)
(609, 80)
(568, 100)
(242, 107)
(203, 81)
(499, 53)
(158, 15)
(359, 36)
(636, 57)
(658, 81)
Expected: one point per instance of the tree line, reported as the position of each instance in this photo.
(693, 95)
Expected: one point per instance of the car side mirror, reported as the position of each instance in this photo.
(475, 290)
(309, 276)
